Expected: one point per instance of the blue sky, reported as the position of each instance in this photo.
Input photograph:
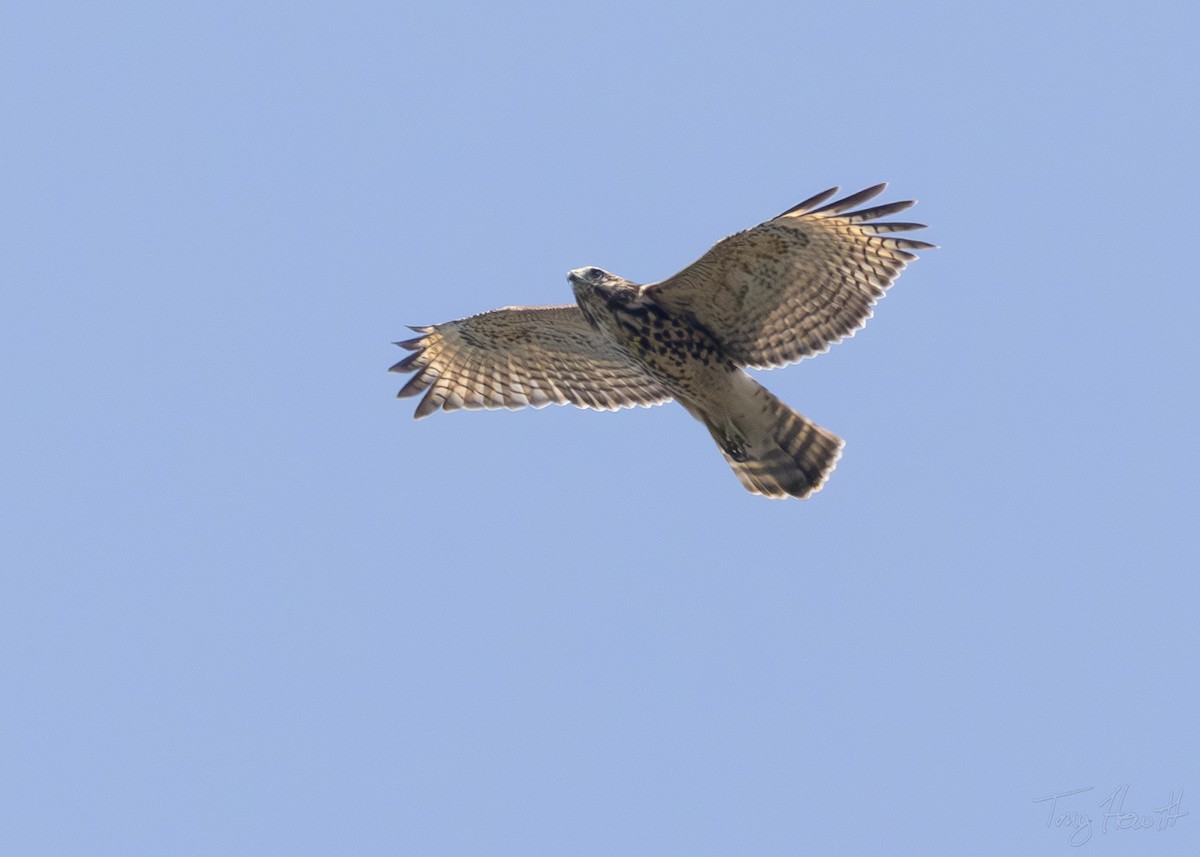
(248, 606)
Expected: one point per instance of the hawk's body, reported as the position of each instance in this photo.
(765, 297)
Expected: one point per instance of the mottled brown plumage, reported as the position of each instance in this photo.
(771, 295)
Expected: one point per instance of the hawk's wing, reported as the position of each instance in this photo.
(519, 356)
(793, 286)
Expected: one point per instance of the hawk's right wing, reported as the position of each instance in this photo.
(522, 356)
(791, 287)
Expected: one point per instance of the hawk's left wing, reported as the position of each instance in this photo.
(793, 286)
(522, 356)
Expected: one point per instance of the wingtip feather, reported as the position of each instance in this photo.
(405, 365)
(428, 405)
(848, 202)
(414, 385)
(912, 244)
(814, 200)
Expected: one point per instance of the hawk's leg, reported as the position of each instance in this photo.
(731, 441)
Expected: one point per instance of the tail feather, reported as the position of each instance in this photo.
(773, 450)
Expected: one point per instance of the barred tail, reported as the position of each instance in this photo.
(773, 450)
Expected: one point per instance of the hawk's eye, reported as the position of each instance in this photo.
(594, 273)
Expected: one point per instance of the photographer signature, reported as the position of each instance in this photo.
(1114, 818)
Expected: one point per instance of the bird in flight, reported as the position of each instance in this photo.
(765, 297)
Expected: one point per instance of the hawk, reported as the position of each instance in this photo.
(765, 297)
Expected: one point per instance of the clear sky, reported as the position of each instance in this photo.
(249, 607)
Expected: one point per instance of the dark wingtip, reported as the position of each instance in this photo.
(838, 206)
(877, 211)
(427, 406)
(815, 199)
(415, 385)
(405, 365)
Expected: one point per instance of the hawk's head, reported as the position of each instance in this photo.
(599, 293)
(591, 276)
